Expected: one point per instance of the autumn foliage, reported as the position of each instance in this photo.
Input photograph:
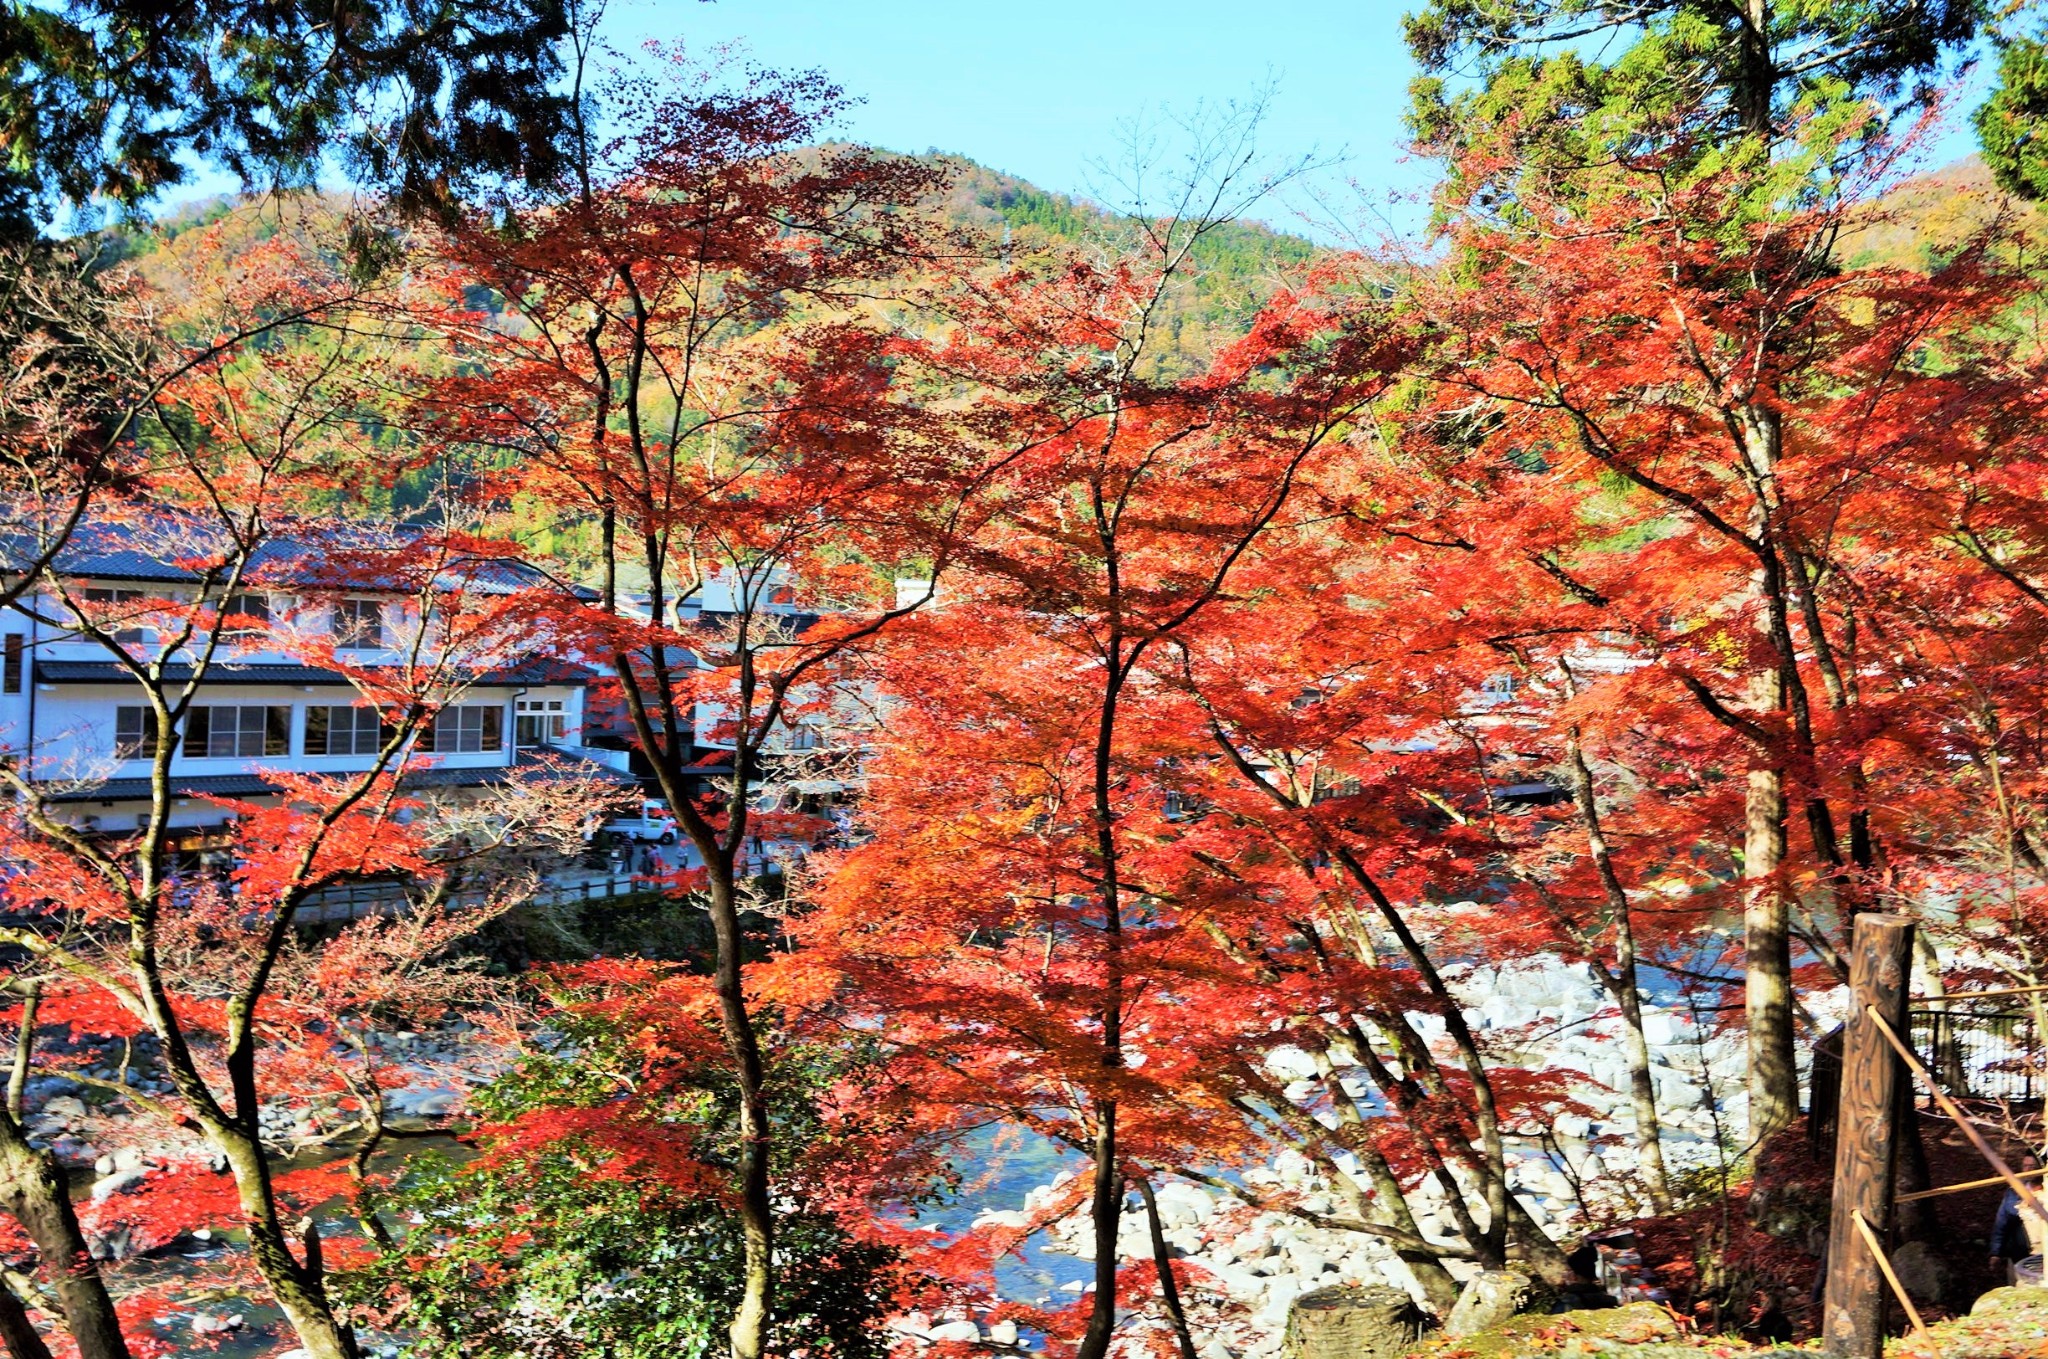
(1168, 726)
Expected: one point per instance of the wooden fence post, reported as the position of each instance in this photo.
(1880, 967)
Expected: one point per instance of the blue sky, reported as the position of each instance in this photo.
(1043, 89)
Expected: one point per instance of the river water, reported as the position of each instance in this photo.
(998, 1169)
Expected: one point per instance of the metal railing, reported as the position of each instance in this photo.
(358, 900)
(1977, 1053)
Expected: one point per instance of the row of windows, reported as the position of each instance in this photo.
(355, 622)
(252, 731)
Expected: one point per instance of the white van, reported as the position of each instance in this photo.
(653, 825)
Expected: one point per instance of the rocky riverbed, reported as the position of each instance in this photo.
(1570, 1170)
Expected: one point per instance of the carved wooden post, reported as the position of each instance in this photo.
(1879, 970)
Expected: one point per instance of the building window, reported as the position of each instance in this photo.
(240, 732)
(111, 604)
(359, 622)
(134, 733)
(542, 722)
(10, 663)
(338, 730)
(252, 611)
(468, 730)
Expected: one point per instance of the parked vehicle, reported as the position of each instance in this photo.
(653, 825)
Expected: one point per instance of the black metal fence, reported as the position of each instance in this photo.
(1980, 1054)
(1976, 1053)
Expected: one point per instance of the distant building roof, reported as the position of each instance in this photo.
(158, 544)
(1536, 794)
(539, 670)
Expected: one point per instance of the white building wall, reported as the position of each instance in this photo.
(65, 731)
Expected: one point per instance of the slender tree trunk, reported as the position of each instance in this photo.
(1642, 1093)
(1622, 983)
(33, 1192)
(1162, 1259)
(1506, 1218)
(665, 740)
(749, 1329)
(1389, 1205)
(19, 1334)
(1777, 694)
(1106, 1210)
(1391, 1208)
(1426, 1103)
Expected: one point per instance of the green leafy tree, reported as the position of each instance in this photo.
(2012, 125)
(112, 100)
(596, 1226)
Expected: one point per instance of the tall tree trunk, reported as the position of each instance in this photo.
(1107, 1207)
(1642, 1092)
(1389, 1206)
(1766, 907)
(749, 1329)
(299, 1289)
(19, 1334)
(1105, 1211)
(666, 740)
(1506, 1218)
(1439, 1288)
(33, 1192)
(1756, 72)
(1767, 970)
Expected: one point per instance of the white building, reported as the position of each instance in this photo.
(74, 717)
(809, 762)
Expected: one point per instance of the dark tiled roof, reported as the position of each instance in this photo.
(798, 621)
(534, 670)
(1532, 792)
(253, 785)
(134, 790)
(540, 670)
(528, 761)
(158, 544)
(108, 672)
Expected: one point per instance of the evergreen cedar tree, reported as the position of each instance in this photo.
(2010, 121)
(1767, 109)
